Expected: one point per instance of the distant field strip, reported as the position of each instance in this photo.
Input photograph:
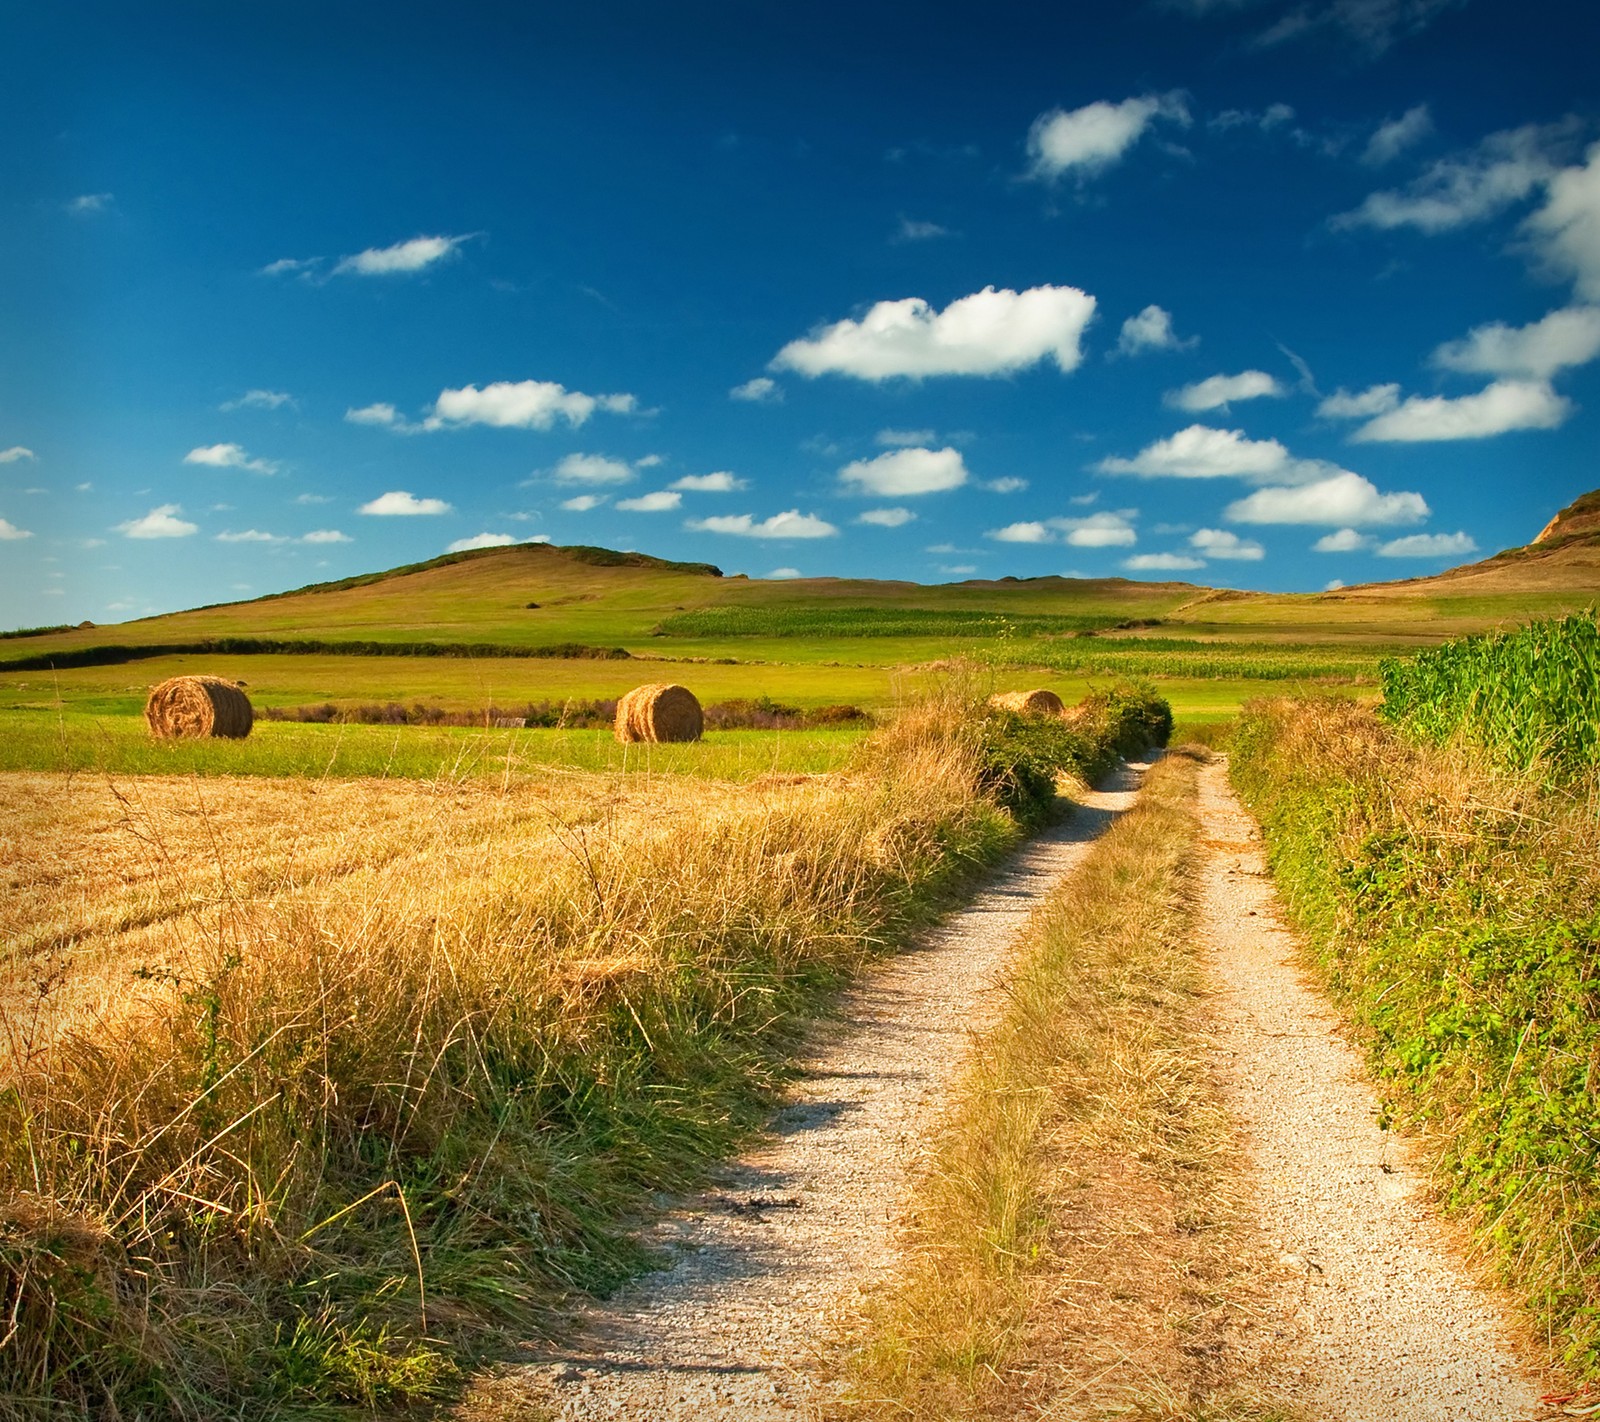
(1184, 657)
(116, 653)
(1529, 697)
(868, 621)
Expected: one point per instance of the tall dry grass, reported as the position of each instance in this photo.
(332, 1127)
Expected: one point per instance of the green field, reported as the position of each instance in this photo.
(500, 626)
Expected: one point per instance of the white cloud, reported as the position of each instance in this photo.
(522, 404)
(382, 414)
(1566, 229)
(592, 469)
(905, 472)
(1537, 350)
(1092, 138)
(251, 535)
(9, 532)
(1428, 545)
(258, 400)
(1030, 532)
(312, 499)
(1272, 117)
(1505, 168)
(899, 439)
(285, 265)
(887, 518)
(90, 204)
(229, 456)
(1333, 585)
(991, 332)
(1218, 391)
(1343, 499)
(763, 390)
(1219, 543)
(1374, 25)
(657, 502)
(1201, 452)
(481, 540)
(721, 482)
(410, 256)
(1394, 137)
(1102, 530)
(582, 503)
(1162, 563)
(1502, 407)
(648, 462)
(1374, 400)
(779, 574)
(398, 503)
(325, 535)
(1008, 484)
(913, 231)
(16, 452)
(1344, 540)
(1151, 330)
(160, 522)
(792, 524)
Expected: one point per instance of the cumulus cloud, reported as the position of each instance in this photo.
(592, 469)
(1151, 330)
(162, 522)
(1344, 540)
(582, 503)
(16, 452)
(286, 266)
(1505, 168)
(258, 400)
(657, 502)
(1343, 499)
(481, 540)
(886, 518)
(1217, 392)
(763, 390)
(1219, 543)
(781, 574)
(904, 472)
(9, 532)
(913, 231)
(521, 404)
(411, 256)
(1162, 563)
(398, 503)
(229, 456)
(1428, 545)
(1088, 140)
(90, 204)
(1374, 400)
(1537, 351)
(1102, 530)
(382, 414)
(1274, 116)
(1393, 138)
(991, 332)
(721, 482)
(251, 535)
(1500, 408)
(1201, 452)
(325, 535)
(1006, 484)
(790, 524)
(1566, 229)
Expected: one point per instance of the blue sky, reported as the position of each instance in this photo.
(1262, 293)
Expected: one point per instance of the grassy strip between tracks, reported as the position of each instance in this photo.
(1453, 907)
(1071, 1250)
(324, 1145)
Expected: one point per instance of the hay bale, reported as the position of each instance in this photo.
(188, 707)
(659, 711)
(1037, 702)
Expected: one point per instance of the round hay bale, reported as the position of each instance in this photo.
(659, 711)
(189, 707)
(1037, 702)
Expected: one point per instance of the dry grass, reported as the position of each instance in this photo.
(1074, 1249)
(304, 1087)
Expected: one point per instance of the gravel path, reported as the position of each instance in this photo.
(1388, 1323)
(771, 1262)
